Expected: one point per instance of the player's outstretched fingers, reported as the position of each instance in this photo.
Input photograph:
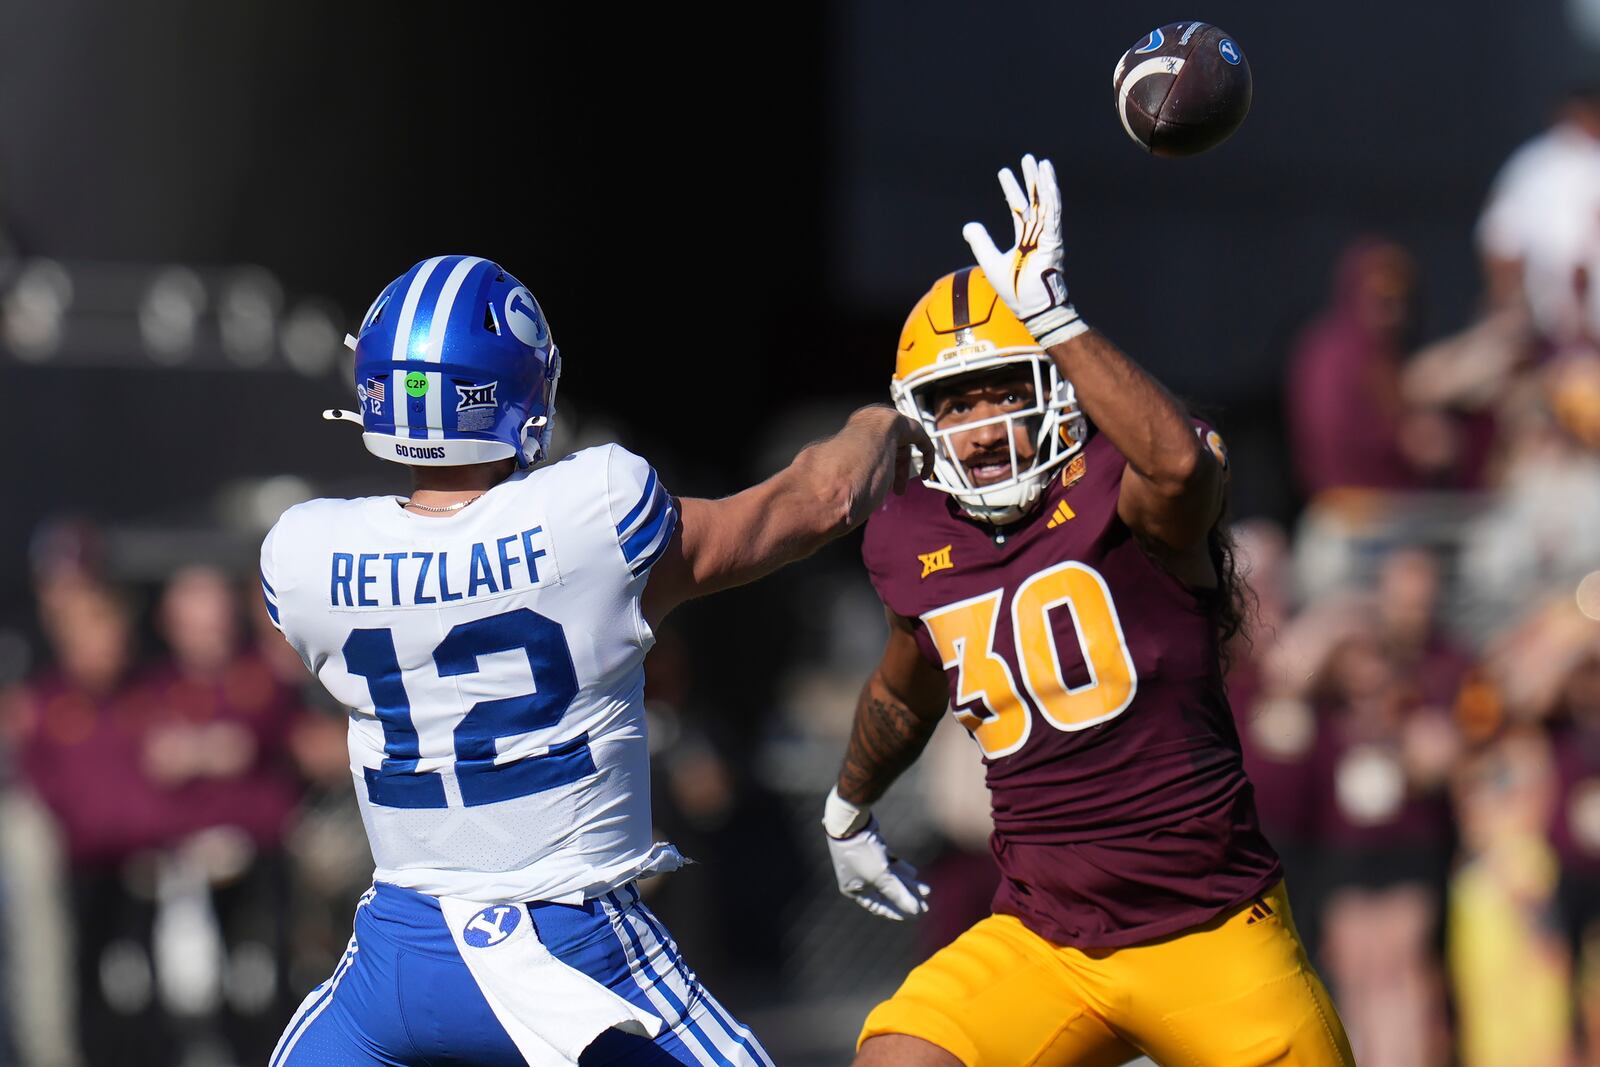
(1015, 198)
(1030, 175)
(907, 875)
(1050, 194)
(878, 906)
(896, 889)
(988, 256)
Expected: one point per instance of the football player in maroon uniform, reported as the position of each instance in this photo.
(1066, 592)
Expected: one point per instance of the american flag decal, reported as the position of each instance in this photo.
(374, 388)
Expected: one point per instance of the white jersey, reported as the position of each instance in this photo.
(494, 662)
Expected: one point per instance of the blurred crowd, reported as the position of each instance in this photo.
(153, 802)
(1417, 694)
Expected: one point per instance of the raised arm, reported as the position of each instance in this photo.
(1173, 487)
(897, 712)
(829, 490)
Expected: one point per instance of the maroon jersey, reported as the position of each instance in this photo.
(260, 798)
(1575, 823)
(1090, 679)
(81, 755)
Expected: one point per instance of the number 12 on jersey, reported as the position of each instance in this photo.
(964, 634)
(370, 654)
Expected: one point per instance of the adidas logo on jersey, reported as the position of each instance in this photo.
(1259, 909)
(1063, 513)
(937, 560)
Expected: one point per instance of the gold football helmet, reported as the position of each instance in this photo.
(961, 327)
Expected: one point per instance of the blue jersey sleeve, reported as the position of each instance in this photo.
(643, 513)
(269, 580)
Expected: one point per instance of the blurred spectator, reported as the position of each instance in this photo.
(1575, 828)
(1384, 833)
(1541, 532)
(1431, 665)
(65, 554)
(1509, 968)
(75, 730)
(218, 748)
(1539, 234)
(1349, 423)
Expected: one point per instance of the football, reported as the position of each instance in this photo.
(1182, 88)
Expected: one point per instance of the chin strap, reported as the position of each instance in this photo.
(341, 415)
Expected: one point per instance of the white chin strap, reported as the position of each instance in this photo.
(1002, 506)
(536, 438)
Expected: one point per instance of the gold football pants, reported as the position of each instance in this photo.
(1236, 992)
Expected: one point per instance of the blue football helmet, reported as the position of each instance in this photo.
(454, 365)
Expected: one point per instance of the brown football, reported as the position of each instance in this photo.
(1182, 89)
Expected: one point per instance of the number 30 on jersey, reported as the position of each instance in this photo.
(964, 634)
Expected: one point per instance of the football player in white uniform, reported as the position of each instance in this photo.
(489, 634)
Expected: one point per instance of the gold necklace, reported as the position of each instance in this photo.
(440, 510)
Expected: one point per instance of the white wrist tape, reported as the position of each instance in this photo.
(840, 818)
(1056, 325)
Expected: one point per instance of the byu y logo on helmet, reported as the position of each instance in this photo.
(461, 318)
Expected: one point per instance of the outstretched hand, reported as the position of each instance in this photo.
(1028, 277)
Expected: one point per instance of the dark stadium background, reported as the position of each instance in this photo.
(726, 218)
(726, 214)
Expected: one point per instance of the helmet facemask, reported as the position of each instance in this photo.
(1053, 422)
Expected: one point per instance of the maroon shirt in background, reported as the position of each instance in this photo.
(1123, 832)
(1364, 802)
(81, 756)
(1279, 772)
(1575, 822)
(1437, 675)
(260, 799)
(1344, 399)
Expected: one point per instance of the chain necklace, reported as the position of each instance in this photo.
(445, 509)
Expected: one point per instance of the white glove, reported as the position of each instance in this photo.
(1028, 277)
(870, 875)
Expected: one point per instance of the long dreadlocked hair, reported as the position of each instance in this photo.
(1233, 601)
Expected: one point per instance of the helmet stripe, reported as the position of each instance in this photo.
(446, 303)
(960, 302)
(434, 351)
(402, 339)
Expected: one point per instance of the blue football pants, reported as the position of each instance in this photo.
(403, 997)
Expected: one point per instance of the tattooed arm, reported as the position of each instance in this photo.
(899, 706)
